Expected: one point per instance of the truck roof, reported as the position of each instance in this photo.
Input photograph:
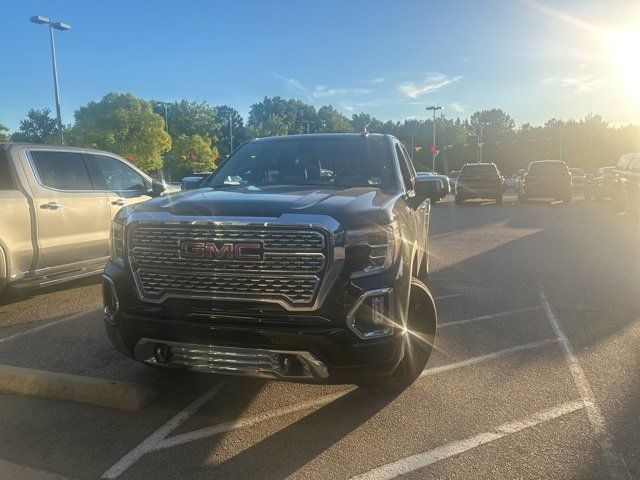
(323, 136)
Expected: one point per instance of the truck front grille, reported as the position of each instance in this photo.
(289, 271)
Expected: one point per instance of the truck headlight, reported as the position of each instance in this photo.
(116, 241)
(372, 250)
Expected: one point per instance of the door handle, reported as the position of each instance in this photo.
(51, 206)
(119, 203)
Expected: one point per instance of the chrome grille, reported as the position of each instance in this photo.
(293, 267)
(273, 262)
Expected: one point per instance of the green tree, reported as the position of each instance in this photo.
(278, 114)
(191, 154)
(123, 124)
(190, 118)
(4, 137)
(332, 121)
(38, 127)
(271, 126)
(361, 120)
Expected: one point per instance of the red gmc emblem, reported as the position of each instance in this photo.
(241, 251)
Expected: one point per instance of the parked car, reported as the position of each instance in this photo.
(546, 178)
(627, 185)
(306, 277)
(578, 179)
(444, 185)
(511, 182)
(193, 181)
(479, 180)
(56, 205)
(605, 183)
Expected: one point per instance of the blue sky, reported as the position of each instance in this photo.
(536, 60)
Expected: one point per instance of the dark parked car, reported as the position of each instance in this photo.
(193, 181)
(546, 179)
(479, 180)
(578, 179)
(627, 184)
(300, 258)
(605, 183)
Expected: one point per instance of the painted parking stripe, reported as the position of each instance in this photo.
(423, 459)
(487, 317)
(158, 440)
(45, 326)
(616, 465)
(150, 442)
(451, 295)
(248, 422)
(487, 357)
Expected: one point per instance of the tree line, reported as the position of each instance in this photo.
(196, 133)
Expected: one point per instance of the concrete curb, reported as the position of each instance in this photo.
(76, 388)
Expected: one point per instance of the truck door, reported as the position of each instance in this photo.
(122, 184)
(72, 217)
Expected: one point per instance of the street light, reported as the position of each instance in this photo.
(480, 142)
(40, 20)
(230, 113)
(166, 115)
(434, 108)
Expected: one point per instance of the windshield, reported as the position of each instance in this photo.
(344, 162)
(481, 169)
(548, 168)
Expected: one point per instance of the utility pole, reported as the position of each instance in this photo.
(58, 26)
(230, 113)
(480, 143)
(433, 148)
(413, 148)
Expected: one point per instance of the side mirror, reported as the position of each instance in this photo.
(157, 188)
(427, 187)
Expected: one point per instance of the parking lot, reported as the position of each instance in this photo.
(536, 374)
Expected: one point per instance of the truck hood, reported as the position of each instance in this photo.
(351, 207)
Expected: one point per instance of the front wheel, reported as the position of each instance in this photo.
(418, 343)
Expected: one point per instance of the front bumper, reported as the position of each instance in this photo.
(269, 341)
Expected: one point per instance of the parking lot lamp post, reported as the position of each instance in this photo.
(480, 143)
(230, 113)
(40, 20)
(433, 148)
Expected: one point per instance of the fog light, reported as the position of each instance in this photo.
(162, 353)
(109, 299)
(372, 314)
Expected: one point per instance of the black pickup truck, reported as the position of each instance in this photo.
(301, 258)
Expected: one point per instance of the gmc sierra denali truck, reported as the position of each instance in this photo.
(56, 206)
(300, 259)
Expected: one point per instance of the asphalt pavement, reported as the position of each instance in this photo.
(536, 374)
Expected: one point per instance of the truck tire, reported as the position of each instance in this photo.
(419, 338)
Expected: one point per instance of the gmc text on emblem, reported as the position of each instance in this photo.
(241, 251)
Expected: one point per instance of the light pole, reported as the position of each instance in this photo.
(413, 147)
(58, 26)
(230, 113)
(480, 142)
(434, 108)
(166, 115)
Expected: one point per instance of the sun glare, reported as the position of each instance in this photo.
(624, 55)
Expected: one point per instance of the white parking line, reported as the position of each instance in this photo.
(421, 460)
(158, 440)
(451, 295)
(486, 317)
(247, 422)
(150, 442)
(488, 356)
(616, 466)
(44, 326)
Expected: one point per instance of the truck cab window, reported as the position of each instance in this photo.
(118, 176)
(61, 170)
(6, 179)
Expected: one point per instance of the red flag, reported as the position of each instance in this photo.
(433, 148)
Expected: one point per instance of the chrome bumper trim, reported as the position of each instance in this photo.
(249, 362)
